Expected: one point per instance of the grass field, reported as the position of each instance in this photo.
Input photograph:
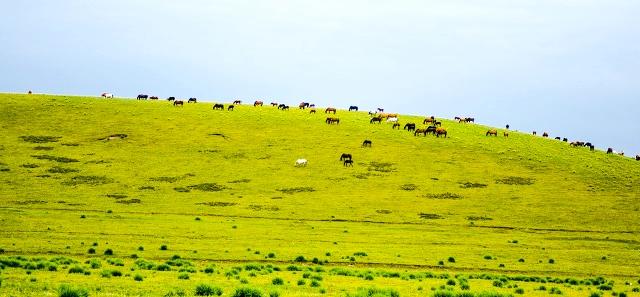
(184, 196)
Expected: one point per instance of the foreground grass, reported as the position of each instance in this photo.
(219, 188)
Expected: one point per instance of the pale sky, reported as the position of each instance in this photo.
(569, 67)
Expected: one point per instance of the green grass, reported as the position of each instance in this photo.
(407, 204)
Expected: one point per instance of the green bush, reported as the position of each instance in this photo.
(207, 290)
(374, 292)
(247, 292)
(277, 281)
(451, 260)
(138, 277)
(183, 276)
(108, 252)
(163, 247)
(76, 269)
(68, 291)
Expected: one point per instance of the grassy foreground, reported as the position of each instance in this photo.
(141, 198)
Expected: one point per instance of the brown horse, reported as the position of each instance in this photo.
(258, 103)
(303, 105)
(218, 106)
(312, 111)
(505, 134)
(441, 131)
(420, 131)
(366, 143)
(274, 103)
(178, 102)
(493, 132)
(431, 130)
(391, 115)
(429, 121)
(330, 109)
(332, 121)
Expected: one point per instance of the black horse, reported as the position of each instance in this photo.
(431, 130)
(281, 106)
(218, 106)
(409, 127)
(142, 97)
(348, 163)
(376, 119)
(352, 108)
(286, 107)
(345, 156)
(366, 143)
(230, 107)
(192, 99)
(396, 125)
(171, 98)
(178, 102)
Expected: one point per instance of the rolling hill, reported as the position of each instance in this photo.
(154, 183)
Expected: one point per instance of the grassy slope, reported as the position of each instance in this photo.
(582, 206)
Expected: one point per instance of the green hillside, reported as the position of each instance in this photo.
(416, 215)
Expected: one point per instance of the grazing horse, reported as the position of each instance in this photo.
(429, 121)
(507, 126)
(409, 127)
(257, 103)
(621, 153)
(142, 97)
(565, 139)
(286, 107)
(392, 120)
(535, 133)
(192, 99)
(576, 143)
(380, 109)
(420, 131)
(348, 163)
(281, 106)
(592, 148)
(439, 124)
(312, 111)
(218, 106)
(171, 98)
(431, 130)
(274, 103)
(353, 108)
(301, 163)
(391, 115)
(332, 120)
(230, 107)
(105, 95)
(505, 134)
(470, 120)
(441, 131)
(312, 105)
(396, 125)
(303, 105)
(557, 138)
(345, 156)
(637, 157)
(545, 134)
(29, 92)
(178, 102)
(376, 119)
(330, 109)
(366, 143)
(493, 132)
(238, 102)
(609, 151)
(153, 98)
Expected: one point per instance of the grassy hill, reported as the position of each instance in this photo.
(219, 189)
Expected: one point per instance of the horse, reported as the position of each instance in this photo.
(237, 102)
(332, 120)
(153, 98)
(545, 134)
(274, 104)
(353, 108)
(230, 107)
(312, 105)
(535, 133)
(257, 103)
(301, 163)
(439, 124)
(396, 125)
(507, 126)
(376, 119)
(380, 109)
(592, 148)
(431, 130)
(171, 98)
(557, 138)
(419, 131)
(441, 131)
(280, 106)
(178, 102)
(409, 127)
(218, 106)
(637, 157)
(345, 156)
(621, 153)
(142, 97)
(471, 120)
(462, 120)
(565, 139)
(29, 92)
(192, 99)
(312, 111)
(286, 107)
(505, 134)
(576, 143)
(105, 95)
(366, 143)
(609, 151)
(392, 120)
(493, 132)
(391, 115)
(330, 109)
(303, 105)
(428, 121)
(348, 163)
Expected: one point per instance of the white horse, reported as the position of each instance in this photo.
(107, 95)
(392, 120)
(301, 163)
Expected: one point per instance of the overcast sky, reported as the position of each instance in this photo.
(569, 67)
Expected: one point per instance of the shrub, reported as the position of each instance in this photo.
(596, 294)
(108, 252)
(68, 291)
(207, 290)
(277, 281)
(95, 263)
(163, 267)
(300, 259)
(91, 251)
(76, 269)
(368, 277)
(183, 276)
(301, 282)
(441, 263)
(274, 294)
(141, 248)
(271, 255)
(552, 261)
(247, 292)
(116, 273)
(519, 291)
(487, 257)
(373, 291)
(451, 282)
(209, 270)
(451, 260)
(163, 247)
(138, 277)
(314, 284)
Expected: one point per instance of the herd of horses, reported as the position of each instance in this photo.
(378, 116)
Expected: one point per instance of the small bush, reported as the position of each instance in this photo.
(209, 270)
(183, 276)
(91, 251)
(277, 281)
(207, 290)
(374, 292)
(108, 252)
(519, 291)
(451, 260)
(300, 259)
(141, 248)
(76, 269)
(595, 294)
(138, 278)
(94, 263)
(163, 247)
(552, 261)
(488, 257)
(247, 292)
(271, 255)
(301, 282)
(68, 291)
(451, 282)
(163, 267)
